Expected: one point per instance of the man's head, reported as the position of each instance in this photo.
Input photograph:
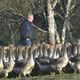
(30, 17)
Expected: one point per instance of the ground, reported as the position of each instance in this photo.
(51, 77)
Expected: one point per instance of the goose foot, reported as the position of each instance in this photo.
(4, 78)
(61, 72)
(78, 71)
(52, 73)
(18, 78)
(29, 75)
(75, 72)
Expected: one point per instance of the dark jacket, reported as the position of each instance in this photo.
(26, 30)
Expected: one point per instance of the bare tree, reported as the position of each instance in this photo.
(67, 25)
(51, 21)
(12, 33)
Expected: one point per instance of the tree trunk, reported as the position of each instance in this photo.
(12, 34)
(51, 22)
(66, 24)
(12, 38)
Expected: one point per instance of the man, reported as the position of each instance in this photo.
(26, 30)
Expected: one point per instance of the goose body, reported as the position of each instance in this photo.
(10, 64)
(61, 62)
(43, 62)
(44, 67)
(75, 62)
(27, 69)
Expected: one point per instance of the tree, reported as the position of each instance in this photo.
(59, 26)
(51, 21)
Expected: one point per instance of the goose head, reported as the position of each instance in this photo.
(78, 46)
(26, 52)
(1, 59)
(40, 50)
(19, 53)
(45, 50)
(51, 50)
(31, 51)
(5, 53)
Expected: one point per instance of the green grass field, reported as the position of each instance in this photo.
(50, 77)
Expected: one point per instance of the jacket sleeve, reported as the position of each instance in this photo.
(24, 32)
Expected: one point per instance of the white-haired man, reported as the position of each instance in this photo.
(27, 30)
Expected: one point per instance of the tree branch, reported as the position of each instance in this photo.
(39, 28)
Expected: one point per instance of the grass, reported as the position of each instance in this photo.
(57, 77)
(51, 77)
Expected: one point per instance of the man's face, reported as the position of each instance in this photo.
(30, 18)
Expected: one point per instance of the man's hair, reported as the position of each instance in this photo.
(29, 14)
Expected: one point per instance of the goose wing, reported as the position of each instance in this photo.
(75, 58)
(56, 61)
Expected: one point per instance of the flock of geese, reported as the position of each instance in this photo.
(39, 58)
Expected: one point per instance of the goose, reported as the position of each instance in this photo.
(1, 59)
(74, 50)
(10, 65)
(78, 46)
(45, 50)
(26, 52)
(43, 62)
(19, 57)
(20, 63)
(5, 53)
(30, 63)
(69, 51)
(61, 62)
(14, 50)
(55, 52)
(51, 50)
(36, 52)
(45, 57)
(75, 63)
(40, 49)
(75, 60)
(22, 56)
(44, 67)
(19, 53)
